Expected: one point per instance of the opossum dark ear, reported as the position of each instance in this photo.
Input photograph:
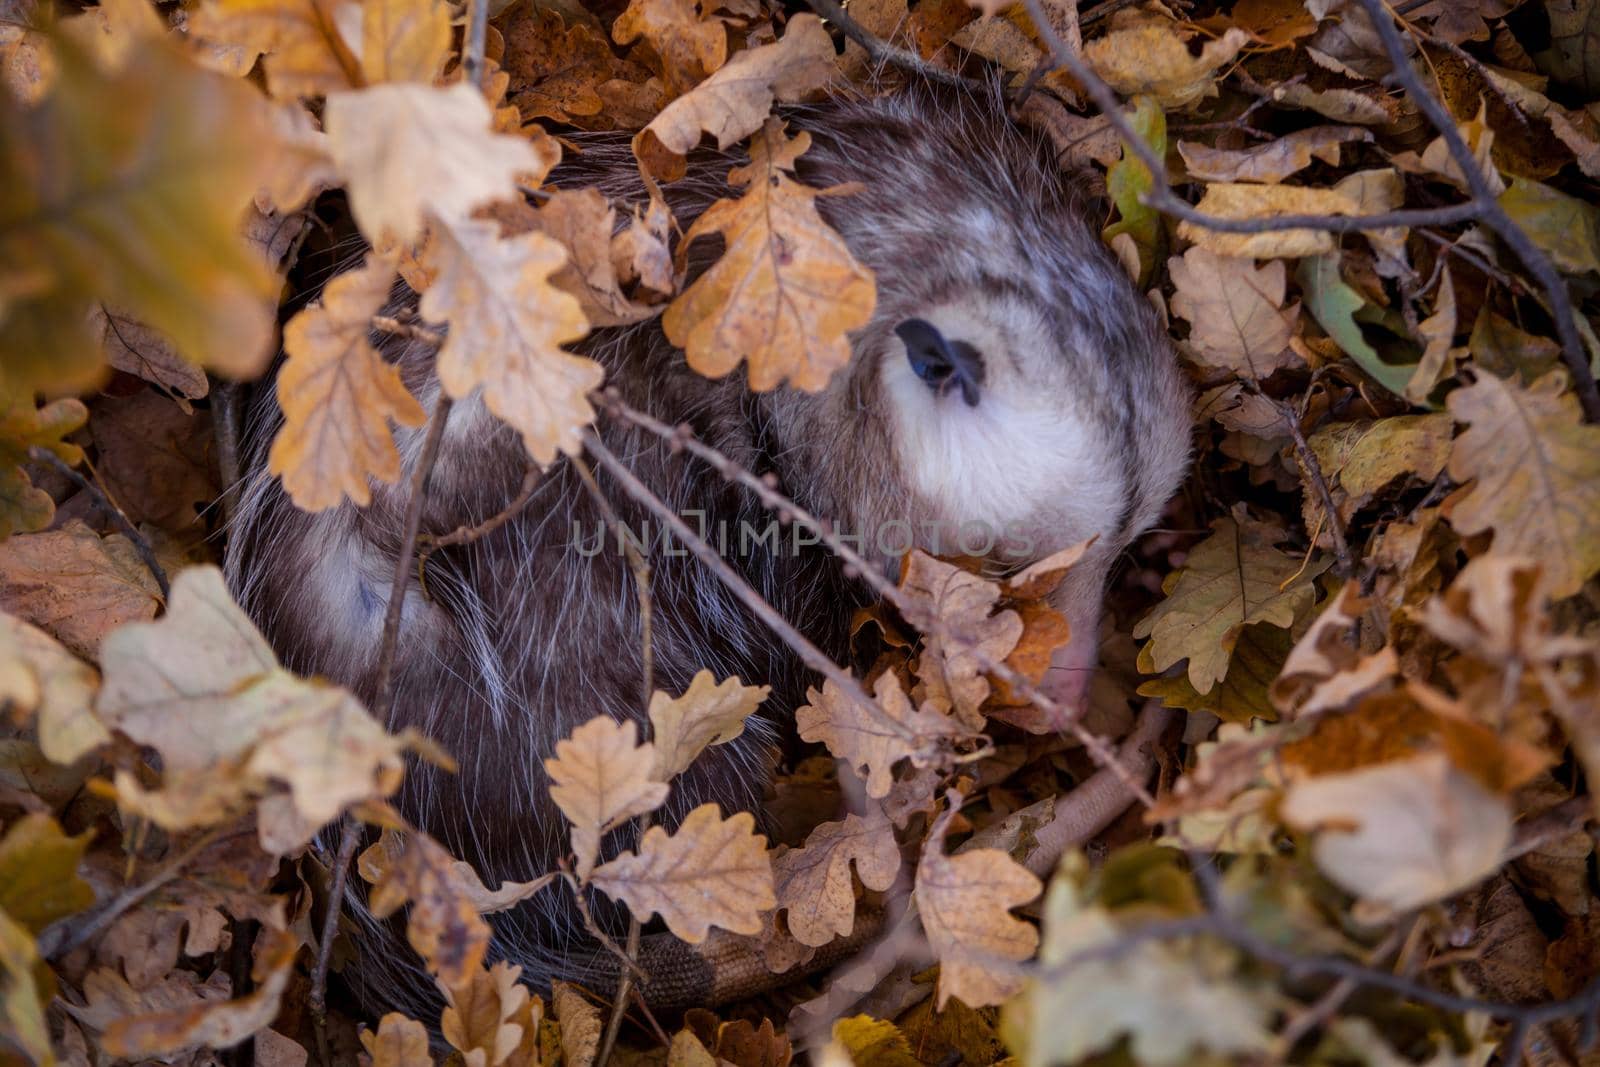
(941, 363)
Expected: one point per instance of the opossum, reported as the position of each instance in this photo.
(1013, 388)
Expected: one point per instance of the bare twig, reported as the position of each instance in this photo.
(464, 534)
(141, 543)
(412, 330)
(477, 40)
(880, 51)
(1346, 566)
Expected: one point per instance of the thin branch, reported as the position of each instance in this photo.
(465, 534)
(410, 330)
(1489, 210)
(141, 543)
(1346, 566)
(880, 51)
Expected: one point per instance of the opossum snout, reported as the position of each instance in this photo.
(942, 364)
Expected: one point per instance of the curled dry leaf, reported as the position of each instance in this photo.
(1148, 58)
(442, 924)
(786, 292)
(482, 1017)
(131, 346)
(691, 42)
(1232, 579)
(708, 713)
(556, 68)
(734, 102)
(814, 882)
(1359, 459)
(1402, 834)
(583, 221)
(579, 1023)
(711, 872)
(965, 904)
(399, 1042)
(1237, 321)
(875, 739)
(375, 862)
(507, 325)
(1243, 201)
(962, 605)
(1271, 161)
(407, 151)
(76, 585)
(338, 395)
(600, 777)
(1534, 469)
(57, 689)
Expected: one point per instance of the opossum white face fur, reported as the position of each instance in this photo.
(1012, 395)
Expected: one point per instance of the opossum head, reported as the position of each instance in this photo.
(1014, 393)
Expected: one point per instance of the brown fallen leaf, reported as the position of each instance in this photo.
(814, 882)
(1272, 161)
(307, 53)
(399, 1042)
(875, 742)
(711, 872)
(338, 395)
(557, 68)
(579, 1023)
(441, 922)
(60, 689)
(964, 606)
(1148, 57)
(155, 461)
(734, 102)
(1534, 469)
(23, 426)
(131, 346)
(507, 323)
(708, 713)
(1237, 321)
(1360, 459)
(965, 904)
(464, 881)
(404, 40)
(480, 1017)
(76, 585)
(1243, 201)
(600, 777)
(583, 221)
(691, 42)
(786, 292)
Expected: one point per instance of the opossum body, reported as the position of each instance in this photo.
(1011, 380)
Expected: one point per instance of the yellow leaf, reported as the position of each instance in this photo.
(1402, 834)
(691, 44)
(878, 738)
(599, 778)
(39, 880)
(399, 1042)
(23, 426)
(1535, 473)
(786, 291)
(25, 988)
(406, 151)
(964, 606)
(1232, 579)
(732, 103)
(404, 40)
(338, 395)
(814, 882)
(965, 903)
(481, 1015)
(869, 1042)
(64, 688)
(712, 872)
(507, 323)
(307, 52)
(128, 187)
(75, 585)
(583, 221)
(1241, 201)
(1237, 321)
(1148, 58)
(708, 713)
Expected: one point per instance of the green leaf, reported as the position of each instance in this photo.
(1129, 179)
(1334, 305)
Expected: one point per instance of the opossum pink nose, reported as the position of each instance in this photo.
(942, 364)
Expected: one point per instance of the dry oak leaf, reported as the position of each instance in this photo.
(712, 872)
(1147, 57)
(1535, 473)
(130, 345)
(600, 777)
(556, 69)
(691, 42)
(708, 713)
(583, 221)
(507, 323)
(579, 1024)
(62, 690)
(375, 862)
(212, 1025)
(965, 904)
(23, 426)
(202, 687)
(1242, 201)
(814, 882)
(39, 880)
(480, 1017)
(399, 1042)
(1272, 161)
(1237, 321)
(734, 102)
(338, 395)
(1360, 458)
(156, 460)
(1232, 579)
(404, 40)
(407, 151)
(76, 585)
(876, 738)
(1402, 834)
(786, 292)
(307, 53)
(962, 606)
(442, 924)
